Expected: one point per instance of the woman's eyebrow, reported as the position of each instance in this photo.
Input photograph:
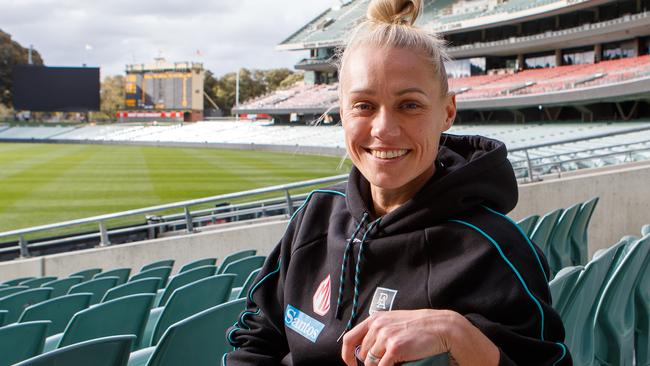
(411, 90)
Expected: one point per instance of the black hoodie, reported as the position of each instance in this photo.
(449, 247)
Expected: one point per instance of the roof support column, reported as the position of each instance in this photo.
(587, 114)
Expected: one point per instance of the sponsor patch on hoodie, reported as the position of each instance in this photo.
(382, 300)
(302, 323)
(321, 298)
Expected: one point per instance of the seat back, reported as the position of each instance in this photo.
(37, 282)
(62, 286)
(542, 232)
(645, 230)
(126, 315)
(579, 242)
(16, 281)
(235, 256)
(21, 341)
(193, 298)
(562, 285)
(642, 314)
(162, 273)
(184, 278)
(243, 268)
(197, 340)
(108, 351)
(97, 287)
(614, 330)
(560, 240)
(527, 224)
(87, 274)
(437, 360)
(248, 284)
(143, 286)
(3, 314)
(11, 290)
(16, 303)
(121, 273)
(198, 263)
(158, 264)
(58, 311)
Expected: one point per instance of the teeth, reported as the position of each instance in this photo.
(391, 154)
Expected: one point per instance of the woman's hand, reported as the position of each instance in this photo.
(408, 335)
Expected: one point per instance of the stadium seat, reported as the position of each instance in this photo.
(544, 229)
(186, 301)
(87, 274)
(97, 287)
(193, 340)
(108, 351)
(126, 315)
(614, 330)
(16, 281)
(642, 314)
(58, 311)
(11, 290)
(183, 279)
(579, 238)
(121, 273)
(21, 341)
(438, 360)
(645, 230)
(562, 285)
(3, 314)
(143, 286)
(243, 268)
(62, 286)
(527, 224)
(157, 264)
(37, 282)
(16, 303)
(161, 273)
(242, 292)
(198, 263)
(559, 248)
(235, 256)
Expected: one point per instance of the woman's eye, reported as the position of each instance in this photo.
(410, 105)
(363, 106)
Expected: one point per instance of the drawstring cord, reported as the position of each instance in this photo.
(346, 255)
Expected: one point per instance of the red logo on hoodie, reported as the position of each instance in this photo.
(321, 299)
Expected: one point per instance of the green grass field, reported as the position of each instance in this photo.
(45, 183)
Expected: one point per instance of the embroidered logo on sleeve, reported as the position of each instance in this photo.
(382, 300)
(302, 323)
(321, 299)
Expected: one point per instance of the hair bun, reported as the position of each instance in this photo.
(394, 11)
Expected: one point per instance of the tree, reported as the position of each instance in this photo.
(11, 54)
(112, 96)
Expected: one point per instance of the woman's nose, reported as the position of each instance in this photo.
(385, 125)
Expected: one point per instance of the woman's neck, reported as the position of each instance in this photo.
(385, 200)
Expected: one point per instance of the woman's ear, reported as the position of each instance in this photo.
(450, 109)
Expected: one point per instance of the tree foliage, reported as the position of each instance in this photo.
(112, 96)
(12, 53)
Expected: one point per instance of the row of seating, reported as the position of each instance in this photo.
(150, 305)
(605, 305)
(562, 234)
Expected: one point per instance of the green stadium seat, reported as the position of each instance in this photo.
(108, 351)
(543, 230)
(16, 281)
(87, 274)
(186, 301)
(614, 330)
(235, 256)
(642, 314)
(126, 315)
(243, 291)
(58, 311)
(143, 286)
(121, 273)
(198, 263)
(3, 314)
(194, 340)
(21, 341)
(37, 282)
(437, 360)
(579, 237)
(243, 268)
(645, 230)
(97, 287)
(11, 290)
(183, 279)
(527, 224)
(157, 264)
(62, 286)
(162, 273)
(16, 303)
(562, 285)
(560, 240)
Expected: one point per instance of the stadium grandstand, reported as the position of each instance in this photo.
(513, 61)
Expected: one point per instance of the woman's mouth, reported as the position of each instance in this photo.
(388, 154)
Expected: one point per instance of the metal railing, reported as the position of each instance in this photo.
(185, 219)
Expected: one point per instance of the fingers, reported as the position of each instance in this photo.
(351, 340)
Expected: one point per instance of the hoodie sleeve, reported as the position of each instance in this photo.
(258, 336)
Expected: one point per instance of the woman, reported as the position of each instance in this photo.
(418, 230)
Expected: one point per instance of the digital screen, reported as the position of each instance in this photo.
(55, 89)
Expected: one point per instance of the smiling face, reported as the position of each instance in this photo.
(393, 114)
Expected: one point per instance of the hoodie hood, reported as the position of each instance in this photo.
(470, 171)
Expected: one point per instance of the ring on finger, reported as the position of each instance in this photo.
(371, 358)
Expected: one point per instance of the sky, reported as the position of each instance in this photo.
(223, 34)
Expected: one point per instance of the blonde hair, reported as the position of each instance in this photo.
(391, 23)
